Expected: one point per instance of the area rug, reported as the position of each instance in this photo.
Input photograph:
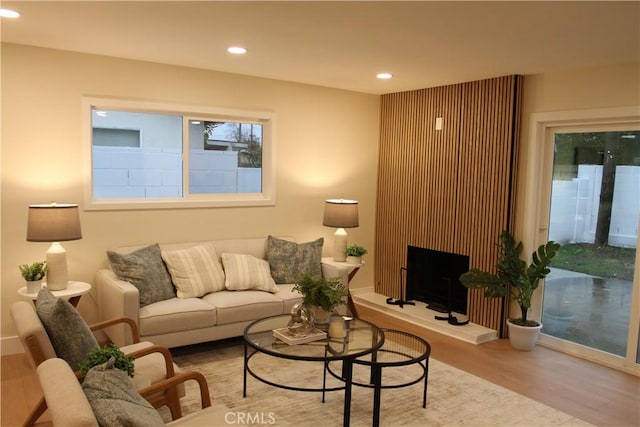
(454, 397)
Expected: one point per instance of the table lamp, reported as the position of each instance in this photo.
(54, 223)
(342, 214)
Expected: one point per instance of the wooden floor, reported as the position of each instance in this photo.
(599, 395)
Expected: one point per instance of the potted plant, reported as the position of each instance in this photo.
(33, 274)
(322, 295)
(100, 355)
(515, 277)
(354, 253)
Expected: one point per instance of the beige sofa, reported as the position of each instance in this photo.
(182, 321)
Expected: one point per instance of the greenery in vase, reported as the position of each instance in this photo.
(355, 250)
(321, 292)
(101, 355)
(34, 271)
(513, 275)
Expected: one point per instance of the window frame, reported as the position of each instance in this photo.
(267, 197)
(536, 206)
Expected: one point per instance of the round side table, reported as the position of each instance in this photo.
(73, 292)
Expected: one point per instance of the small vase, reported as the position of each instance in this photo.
(354, 259)
(33, 286)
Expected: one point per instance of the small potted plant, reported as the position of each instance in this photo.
(515, 277)
(322, 295)
(33, 274)
(354, 253)
(100, 355)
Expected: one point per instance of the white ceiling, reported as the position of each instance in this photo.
(342, 44)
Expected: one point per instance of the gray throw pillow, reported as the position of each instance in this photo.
(145, 270)
(115, 400)
(289, 260)
(68, 332)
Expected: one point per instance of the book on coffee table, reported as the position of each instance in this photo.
(290, 338)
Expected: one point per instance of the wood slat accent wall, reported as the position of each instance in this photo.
(449, 189)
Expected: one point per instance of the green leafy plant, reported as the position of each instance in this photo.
(33, 271)
(321, 292)
(355, 250)
(100, 355)
(513, 275)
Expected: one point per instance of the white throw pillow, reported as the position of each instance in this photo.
(195, 271)
(244, 272)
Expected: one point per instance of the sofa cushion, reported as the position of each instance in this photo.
(289, 261)
(233, 307)
(195, 271)
(289, 297)
(115, 400)
(175, 315)
(243, 272)
(145, 270)
(68, 332)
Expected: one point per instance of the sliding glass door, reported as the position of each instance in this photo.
(589, 298)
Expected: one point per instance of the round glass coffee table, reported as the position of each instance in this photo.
(362, 338)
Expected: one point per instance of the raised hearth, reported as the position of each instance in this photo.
(421, 316)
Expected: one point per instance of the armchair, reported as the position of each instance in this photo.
(69, 406)
(153, 363)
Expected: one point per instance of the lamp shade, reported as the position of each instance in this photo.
(340, 213)
(53, 223)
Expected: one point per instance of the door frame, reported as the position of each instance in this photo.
(537, 201)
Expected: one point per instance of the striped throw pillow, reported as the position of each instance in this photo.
(244, 272)
(195, 271)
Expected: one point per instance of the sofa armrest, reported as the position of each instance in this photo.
(63, 393)
(117, 299)
(332, 269)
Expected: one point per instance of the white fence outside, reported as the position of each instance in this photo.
(574, 207)
(132, 172)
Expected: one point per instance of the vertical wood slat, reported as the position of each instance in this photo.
(395, 186)
(449, 190)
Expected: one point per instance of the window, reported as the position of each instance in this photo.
(142, 155)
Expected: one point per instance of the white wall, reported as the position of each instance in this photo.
(326, 146)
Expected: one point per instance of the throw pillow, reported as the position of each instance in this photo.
(145, 270)
(244, 272)
(68, 332)
(195, 271)
(115, 400)
(289, 260)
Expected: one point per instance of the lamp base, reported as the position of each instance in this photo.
(57, 276)
(340, 245)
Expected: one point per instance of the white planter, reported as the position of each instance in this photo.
(354, 260)
(523, 337)
(33, 287)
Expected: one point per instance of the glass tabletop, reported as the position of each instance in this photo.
(362, 338)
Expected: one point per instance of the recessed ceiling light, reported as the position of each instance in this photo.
(384, 76)
(237, 50)
(8, 13)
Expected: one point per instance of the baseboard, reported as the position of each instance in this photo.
(419, 315)
(10, 345)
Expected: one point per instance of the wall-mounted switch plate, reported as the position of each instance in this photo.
(438, 123)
